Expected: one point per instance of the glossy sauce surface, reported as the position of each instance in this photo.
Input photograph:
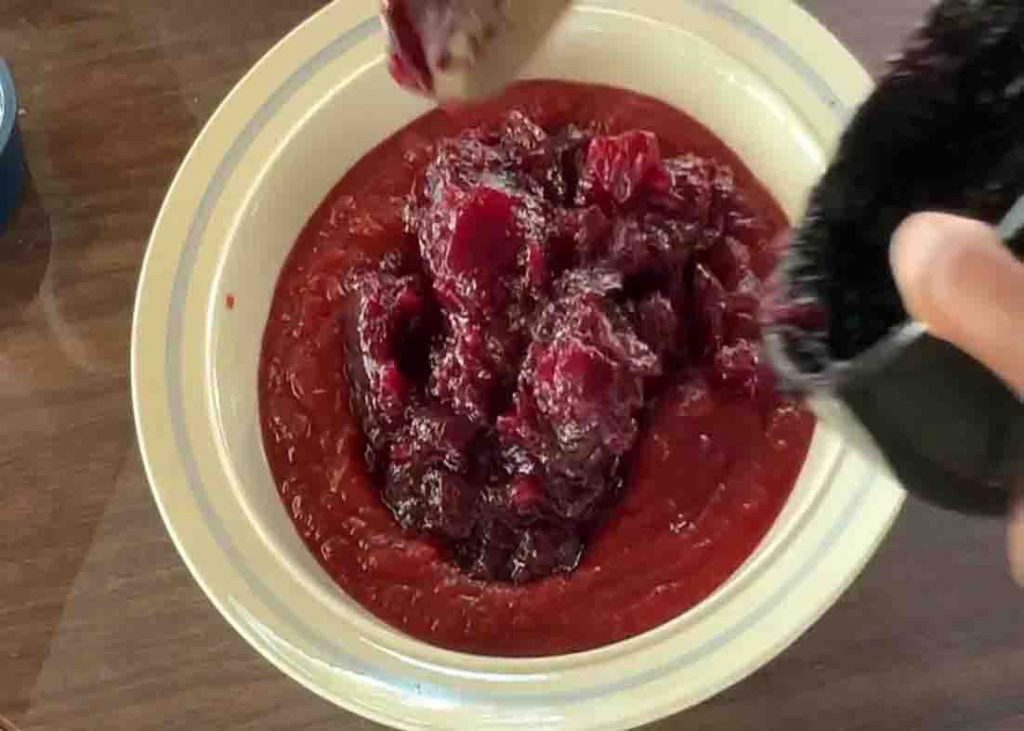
(708, 476)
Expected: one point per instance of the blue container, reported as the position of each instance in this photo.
(12, 156)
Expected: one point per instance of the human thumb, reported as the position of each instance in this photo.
(957, 277)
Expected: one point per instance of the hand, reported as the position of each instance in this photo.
(957, 277)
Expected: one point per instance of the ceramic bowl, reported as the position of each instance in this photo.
(762, 74)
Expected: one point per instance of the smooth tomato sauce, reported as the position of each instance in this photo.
(706, 480)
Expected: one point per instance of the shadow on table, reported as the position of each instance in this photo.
(25, 247)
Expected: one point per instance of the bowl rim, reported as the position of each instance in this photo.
(353, 35)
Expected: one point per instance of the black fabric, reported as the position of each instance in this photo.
(949, 429)
(944, 130)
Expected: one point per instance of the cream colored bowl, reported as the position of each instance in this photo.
(760, 73)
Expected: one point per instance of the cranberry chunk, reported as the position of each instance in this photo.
(580, 390)
(428, 463)
(543, 550)
(660, 327)
(381, 312)
(471, 368)
(651, 248)
(469, 241)
(730, 262)
(619, 167)
(737, 368)
(689, 193)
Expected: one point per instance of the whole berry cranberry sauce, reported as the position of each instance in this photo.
(511, 388)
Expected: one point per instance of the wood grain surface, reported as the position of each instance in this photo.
(101, 626)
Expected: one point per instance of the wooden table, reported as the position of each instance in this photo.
(101, 626)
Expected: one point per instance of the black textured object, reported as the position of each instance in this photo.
(944, 130)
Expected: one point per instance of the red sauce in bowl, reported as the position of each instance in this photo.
(704, 474)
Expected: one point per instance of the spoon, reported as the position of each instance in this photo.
(462, 50)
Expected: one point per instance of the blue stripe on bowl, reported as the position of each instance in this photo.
(793, 59)
(182, 277)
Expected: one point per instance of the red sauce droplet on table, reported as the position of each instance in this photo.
(230, 301)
